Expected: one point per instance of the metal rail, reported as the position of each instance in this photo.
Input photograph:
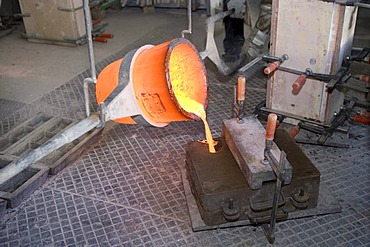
(92, 79)
(278, 168)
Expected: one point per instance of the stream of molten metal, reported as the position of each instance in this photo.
(187, 75)
(196, 108)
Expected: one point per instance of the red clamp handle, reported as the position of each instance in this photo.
(360, 119)
(106, 35)
(271, 126)
(365, 78)
(298, 84)
(271, 68)
(100, 40)
(241, 88)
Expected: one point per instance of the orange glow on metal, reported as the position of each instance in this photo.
(185, 73)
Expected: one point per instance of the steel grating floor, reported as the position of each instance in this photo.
(127, 189)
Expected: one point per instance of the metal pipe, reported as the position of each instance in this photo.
(189, 19)
(88, 26)
(233, 103)
(250, 64)
(51, 145)
(86, 94)
(363, 5)
(275, 202)
(219, 16)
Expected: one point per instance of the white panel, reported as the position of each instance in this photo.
(310, 32)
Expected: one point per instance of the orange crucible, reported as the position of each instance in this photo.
(157, 83)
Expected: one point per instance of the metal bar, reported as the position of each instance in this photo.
(233, 103)
(317, 76)
(277, 194)
(241, 111)
(303, 119)
(109, 4)
(327, 143)
(89, 38)
(363, 5)
(86, 94)
(359, 3)
(88, 26)
(69, 9)
(337, 78)
(51, 145)
(188, 31)
(219, 16)
(270, 231)
(250, 64)
(279, 172)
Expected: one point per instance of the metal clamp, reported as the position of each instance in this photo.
(327, 131)
(237, 106)
(278, 168)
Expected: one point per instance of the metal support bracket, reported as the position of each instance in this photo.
(326, 132)
(359, 54)
(211, 50)
(314, 126)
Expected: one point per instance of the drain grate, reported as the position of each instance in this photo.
(18, 188)
(28, 136)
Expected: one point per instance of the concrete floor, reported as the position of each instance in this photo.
(127, 190)
(30, 70)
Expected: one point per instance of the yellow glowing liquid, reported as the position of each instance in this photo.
(186, 71)
(196, 108)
